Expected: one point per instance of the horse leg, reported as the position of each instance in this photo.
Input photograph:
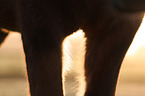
(42, 34)
(43, 58)
(105, 51)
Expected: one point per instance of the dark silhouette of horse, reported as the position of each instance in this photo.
(109, 26)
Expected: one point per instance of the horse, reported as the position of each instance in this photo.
(109, 26)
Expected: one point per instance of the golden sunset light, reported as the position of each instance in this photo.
(72, 48)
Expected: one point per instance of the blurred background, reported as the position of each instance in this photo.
(13, 80)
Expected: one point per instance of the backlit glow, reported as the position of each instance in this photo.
(139, 40)
(73, 60)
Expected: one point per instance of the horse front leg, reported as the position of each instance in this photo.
(43, 66)
(42, 34)
(105, 51)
